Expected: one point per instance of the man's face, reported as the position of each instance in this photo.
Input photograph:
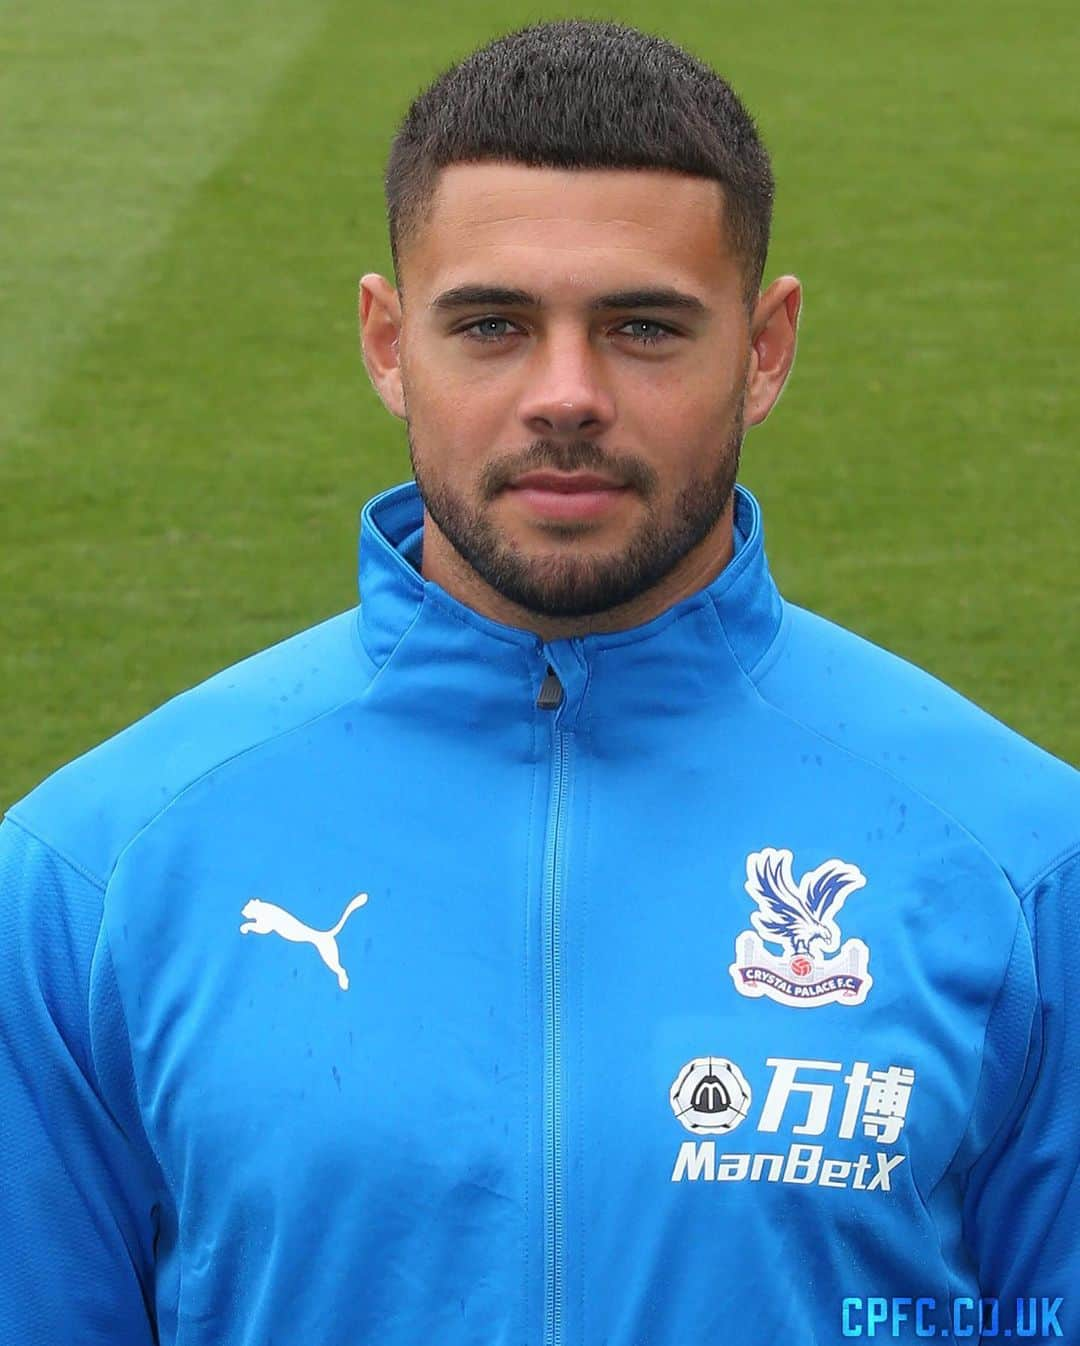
(649, 394)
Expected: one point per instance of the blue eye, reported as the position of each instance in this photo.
(663, 332)
(482, 322)
(660, 332)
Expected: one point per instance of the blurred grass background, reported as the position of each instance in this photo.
(190, 191)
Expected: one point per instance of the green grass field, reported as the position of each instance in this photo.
(190, 191)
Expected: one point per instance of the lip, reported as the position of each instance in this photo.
(565, 482)
(569, 504)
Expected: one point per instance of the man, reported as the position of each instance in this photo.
(575, 943)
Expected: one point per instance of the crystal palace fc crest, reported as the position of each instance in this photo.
(800, 918)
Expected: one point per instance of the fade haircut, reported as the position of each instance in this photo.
(584, 93)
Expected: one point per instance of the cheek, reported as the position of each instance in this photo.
(454, 434)
(697, 395)
(717, 408)
(453, 415)
(437, 396)
(682, 421)
(687, 436)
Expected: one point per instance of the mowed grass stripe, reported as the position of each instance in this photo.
(190, 492)
(193, 487)
(112, 112)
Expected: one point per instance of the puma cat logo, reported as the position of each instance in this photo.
(265, 919)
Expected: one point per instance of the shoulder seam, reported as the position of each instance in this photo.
(104, 941)
(1020, 929)
(217, 766)
(775, 647)
(892, 775)
(1059, 860)
(79, 869)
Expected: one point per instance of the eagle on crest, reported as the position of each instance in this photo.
(801, 914)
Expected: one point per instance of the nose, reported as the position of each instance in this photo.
(566, 392)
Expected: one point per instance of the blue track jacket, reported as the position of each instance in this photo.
(416, 982)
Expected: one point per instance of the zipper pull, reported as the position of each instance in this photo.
(551, 693)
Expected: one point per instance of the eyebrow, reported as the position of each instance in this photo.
(477, 296)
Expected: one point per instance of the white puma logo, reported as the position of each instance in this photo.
(264, 919)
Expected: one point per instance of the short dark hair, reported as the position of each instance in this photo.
(585, 93)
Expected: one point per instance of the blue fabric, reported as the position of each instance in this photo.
(353, 996)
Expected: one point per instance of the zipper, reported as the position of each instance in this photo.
(551, 696)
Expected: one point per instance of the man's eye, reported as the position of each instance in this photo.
(473, 335)
(481, 330)
(662, 332)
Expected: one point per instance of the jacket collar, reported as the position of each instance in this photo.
(713, 638)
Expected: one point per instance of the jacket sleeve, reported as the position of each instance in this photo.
(1022, 1206)
(77, 1185)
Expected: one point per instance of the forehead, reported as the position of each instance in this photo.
(584, 224)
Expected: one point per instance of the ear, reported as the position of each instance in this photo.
(773, 330)
(380, 335)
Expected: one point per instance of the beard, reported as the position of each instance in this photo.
(561, 583)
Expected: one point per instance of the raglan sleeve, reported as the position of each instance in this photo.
(78, 1196)
(1022, 1206)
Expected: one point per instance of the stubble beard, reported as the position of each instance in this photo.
(560, 583)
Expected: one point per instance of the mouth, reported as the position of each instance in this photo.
(583, 495)
(549, 479)
(568, 501)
